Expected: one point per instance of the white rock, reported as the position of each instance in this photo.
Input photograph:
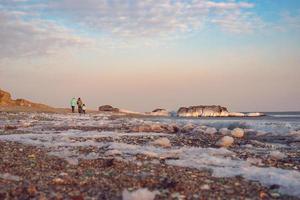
(113, 152)
(150, 154)
(64, 174)
(172, 154)
(211, 130)
(187, 128)
(256, 161)
(225, 141)
(277, 155)
(238, 133)
(224, 131)
(205, 187)
(248, 145)
(139, 194)
(25, 124)
(163, 142)
(157, 128)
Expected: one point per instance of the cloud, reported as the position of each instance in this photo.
(132, 19)
(26, 28)
(229, 5)
(20, 36)
(150, 18)
(291, 21)
(238, 22)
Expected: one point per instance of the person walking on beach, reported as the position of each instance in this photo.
(83, 108)
(79, 104)
(73, 104)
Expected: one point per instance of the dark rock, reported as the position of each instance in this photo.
(167, 183)
(160, 112)
(108, 162)
(108, 108)
(274, 186)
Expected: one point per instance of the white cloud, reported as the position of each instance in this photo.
(148, 18)
(238, 22)
(26, 37)
(25, 31)
(291, 21)
(138, 19)
(229, 5)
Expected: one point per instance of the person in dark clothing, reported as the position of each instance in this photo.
(79, 104)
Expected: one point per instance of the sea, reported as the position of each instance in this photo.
(277, 123)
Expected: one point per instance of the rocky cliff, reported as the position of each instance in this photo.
(5, 98)
(7, 101)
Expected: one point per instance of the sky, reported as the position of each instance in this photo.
(142, 55)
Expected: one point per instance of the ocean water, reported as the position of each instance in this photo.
(278, 123)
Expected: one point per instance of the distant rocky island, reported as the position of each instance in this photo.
(203, 111)
(212, 111)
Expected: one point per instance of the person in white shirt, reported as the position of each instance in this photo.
(83, 108)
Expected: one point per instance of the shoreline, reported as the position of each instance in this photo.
(16, 109)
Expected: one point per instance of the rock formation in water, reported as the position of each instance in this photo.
(203, 111)
(7, 101)
(212, 111)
